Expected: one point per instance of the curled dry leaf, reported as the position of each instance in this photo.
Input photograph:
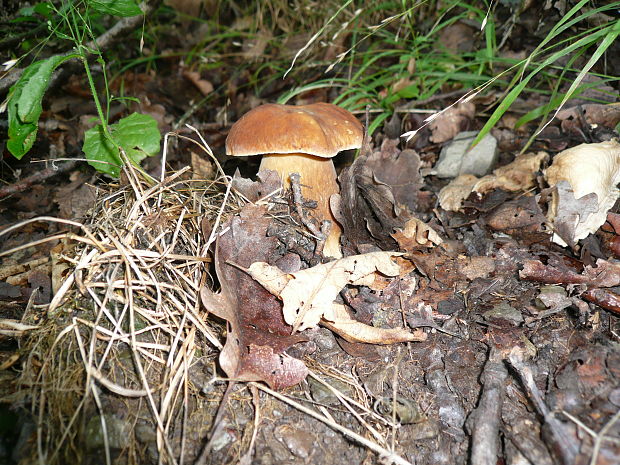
(452, 196)
(519, 175)
(416, 235)
(309, 294)
(339, 321)
(569, 212)
(588, 169)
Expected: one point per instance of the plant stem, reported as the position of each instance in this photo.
(93, 91)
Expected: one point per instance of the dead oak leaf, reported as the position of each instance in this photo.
(447, 124)
(308, 294)
(416, 235)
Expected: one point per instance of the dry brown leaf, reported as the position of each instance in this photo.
(457, 37)
(189, 7)
(202, 168)
(476, 267)
(205, 87)
(257, 334)
(308, 294)
(416, 235)
(600, 114)
(339, 321)
(452, 121)
(254, 48)
(451, 196)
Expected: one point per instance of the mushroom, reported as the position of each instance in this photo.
(300, 139)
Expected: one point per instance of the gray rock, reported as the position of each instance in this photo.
(118, 433)
(456, 159)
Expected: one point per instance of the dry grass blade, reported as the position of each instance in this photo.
(124, 329)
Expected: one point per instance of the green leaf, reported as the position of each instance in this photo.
(45, 9)
(136, 134)
(24, 106)
(101, 153)
(124, 8)
(411, 91)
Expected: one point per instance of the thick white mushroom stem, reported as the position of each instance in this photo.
(318, 182)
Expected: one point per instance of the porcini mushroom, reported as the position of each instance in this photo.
(300, 139)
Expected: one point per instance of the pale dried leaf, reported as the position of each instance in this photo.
(519, 175)
(339, 321)
(451, 197)
(588, 169)
(308, 294)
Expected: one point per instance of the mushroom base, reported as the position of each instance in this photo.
(318, 182)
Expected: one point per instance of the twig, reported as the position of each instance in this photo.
(487, 416)
(562, 445)
(601, 435)
(321, 234)
(36, 178)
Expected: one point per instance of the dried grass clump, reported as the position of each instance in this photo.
(109, 369)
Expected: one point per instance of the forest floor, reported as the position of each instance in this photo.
(127, 305)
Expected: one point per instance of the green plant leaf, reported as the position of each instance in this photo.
(24, 103)
(137, 135)
(411, 91)
(101, 153)
(124, 8)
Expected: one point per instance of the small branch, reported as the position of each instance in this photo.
(487, 416)
(320, 235)
(28, 182)
(562, 444)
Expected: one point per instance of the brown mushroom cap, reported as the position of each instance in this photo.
(320, 129)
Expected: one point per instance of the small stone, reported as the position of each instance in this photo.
(298, 442)
(118, 432)
(503, 311)
(456, 159)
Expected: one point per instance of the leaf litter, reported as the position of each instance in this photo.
(272, 302)
(146, 353)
